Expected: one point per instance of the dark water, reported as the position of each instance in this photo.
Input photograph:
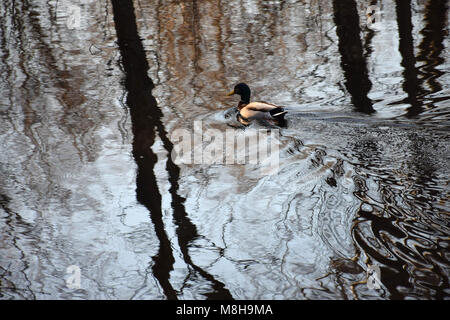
(88, 177)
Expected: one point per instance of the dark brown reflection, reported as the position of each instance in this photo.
(404, 231)
(353, 61)
(16, 228)
(146, 117)
(421, 81)
(432, 46)
(406, 48)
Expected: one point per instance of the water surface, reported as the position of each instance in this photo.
(87, 177)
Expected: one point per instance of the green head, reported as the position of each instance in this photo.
(243, 90)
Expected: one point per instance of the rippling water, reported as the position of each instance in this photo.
(88, 176)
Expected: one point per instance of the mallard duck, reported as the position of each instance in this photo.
(249, 111)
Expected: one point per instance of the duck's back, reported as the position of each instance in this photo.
(261, 106)
(257, 110)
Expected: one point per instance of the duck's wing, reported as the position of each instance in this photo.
(261, 106)
(275, 111)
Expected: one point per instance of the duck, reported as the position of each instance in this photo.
(249, 111)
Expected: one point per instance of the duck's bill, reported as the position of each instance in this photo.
(230, 93)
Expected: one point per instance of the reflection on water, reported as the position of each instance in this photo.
(87, 176)
(353, 61)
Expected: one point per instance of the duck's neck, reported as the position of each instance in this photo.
(242, 104)
(245, 99)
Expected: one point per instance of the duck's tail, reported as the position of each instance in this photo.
(278, 113)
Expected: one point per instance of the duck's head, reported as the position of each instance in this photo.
(243, 90)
